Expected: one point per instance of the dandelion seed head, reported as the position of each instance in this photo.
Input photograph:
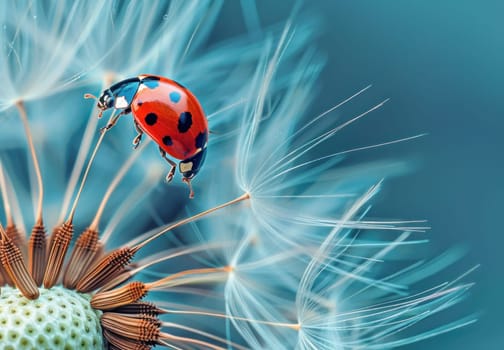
(58, 319)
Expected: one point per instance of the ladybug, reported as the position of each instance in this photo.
(166, 111)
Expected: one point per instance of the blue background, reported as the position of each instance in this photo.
(442, 65)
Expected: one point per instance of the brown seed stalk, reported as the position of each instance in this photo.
(59, 243)
(129, 293)
(141, 307)
(4, 276)
(137, 317)
(119, 279)
(13, 263)
(83, 254)
(17, 237)
(110, 266)
(4, 189)
(118, 342)
(139, 329)
(166, 281)
(37, 253)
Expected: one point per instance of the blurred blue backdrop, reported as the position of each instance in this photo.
(442, 65)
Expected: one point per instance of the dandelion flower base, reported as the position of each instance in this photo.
(58, 319)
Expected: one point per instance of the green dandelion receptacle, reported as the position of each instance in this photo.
(57, 319)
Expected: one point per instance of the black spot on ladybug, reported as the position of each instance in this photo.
(201, 140)
(139, 103)
(167, 140)
(184, 122)
(151, 119)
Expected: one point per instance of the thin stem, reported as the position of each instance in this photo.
(160, 283)
(191, 341)
(203, 334)
(134, 198)
(83, 151)
(13, 263)
(163, 256)
(228, 107)
(113, 185)
(168, 345)
(191, 219)
(294, 326)
(11, 202)
(86, 173)
(5, 200)
(24, 118)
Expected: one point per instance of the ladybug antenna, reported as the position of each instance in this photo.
(91, 96)
(88, 96)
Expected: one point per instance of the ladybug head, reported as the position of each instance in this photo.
(190, 167)
(119, 95)
(106, 100)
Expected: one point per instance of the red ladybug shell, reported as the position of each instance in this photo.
(171, 116)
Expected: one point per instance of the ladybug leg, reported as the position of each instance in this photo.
(188, 182)
(138, 138)
(171, 173)
(114, 121)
